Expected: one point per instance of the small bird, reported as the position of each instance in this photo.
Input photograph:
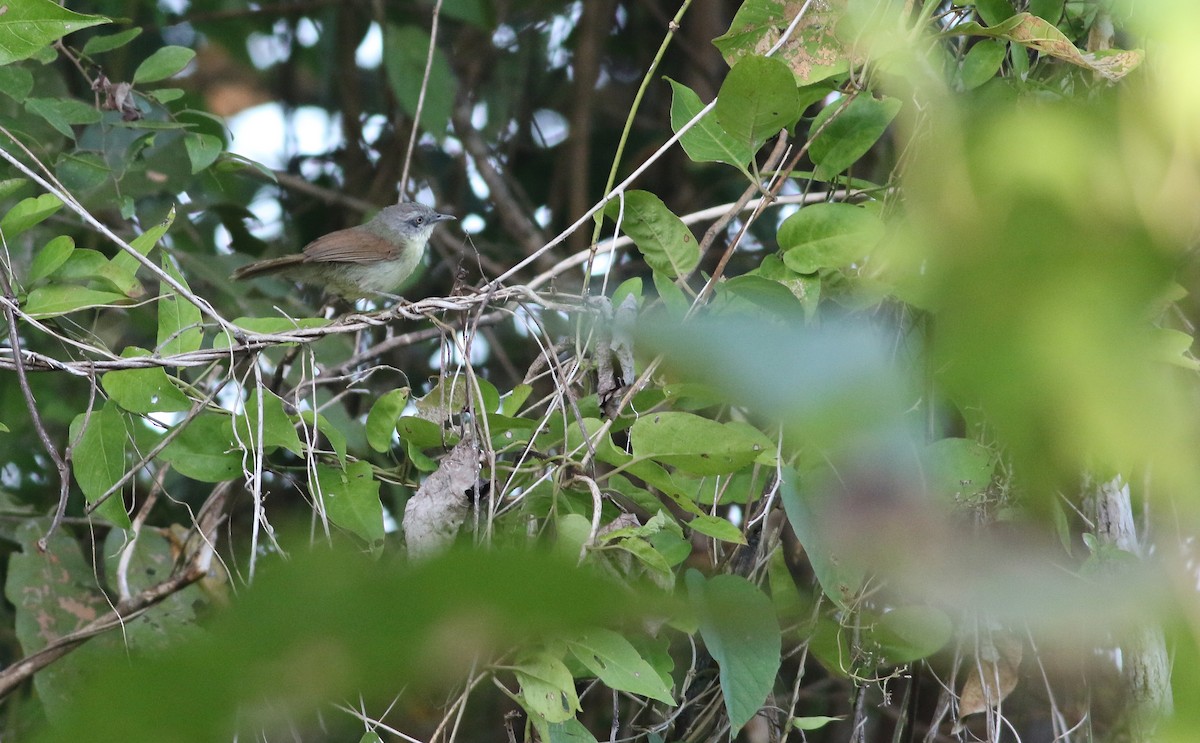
(359, 262)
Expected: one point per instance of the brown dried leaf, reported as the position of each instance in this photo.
(998, 663)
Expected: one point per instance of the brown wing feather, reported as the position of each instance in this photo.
(354, 245)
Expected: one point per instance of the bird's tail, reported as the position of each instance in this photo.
(269, 266)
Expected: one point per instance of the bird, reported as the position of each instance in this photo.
(359, 262)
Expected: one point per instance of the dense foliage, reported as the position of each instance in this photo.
(816, 369)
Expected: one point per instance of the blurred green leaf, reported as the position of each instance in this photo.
(839, 573)
(202, 149)
(15, 82)
(62, 113)
(739, 629)
(28, 212)
(957, 467)
(982, 62)
(405, 49)
(909, 633)
(101, 44)
(614, 660)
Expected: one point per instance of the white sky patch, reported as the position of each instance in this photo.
(473, 224)
(369, 54)
(480, 350)
(549, 128)
(307, 32)
(558, 56)
(261, 133)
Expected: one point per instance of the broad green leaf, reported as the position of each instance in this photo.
(706, 141)
(52, 255)
(571, 731)
(982, 63)
(739, 629)
(666, 242)
(123, 267)
(151, 562)
(1174, 347)
(99, 459)
(813, 52)
(166, 95)
(16, 82)
(909, 633)
(202, 149)
(381, 421)
(277, 427)
(405, 49)
(179, 320)
(696, 444)
(29, 26)
(81, 171)
(59, 299)
(717, 528)
(994, 11)
(655, 561)
(849, 133)
(147, 390)
(615, 661)
(53, 594)
(757, 100)
(828, 236)
(840, 575)
(957, 467)
(162, 64)
(336, 438)
(511, 403)
(351, 499)
(420, 433)
(1050, 10)
(547, 687)
(28, 212)
(671, 295)
(62, 113)
(206, 451)
(101, 44)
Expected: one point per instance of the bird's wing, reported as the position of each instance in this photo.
(354, 245)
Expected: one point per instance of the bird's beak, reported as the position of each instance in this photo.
(439, 217)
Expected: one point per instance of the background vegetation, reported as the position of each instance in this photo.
(795, 369)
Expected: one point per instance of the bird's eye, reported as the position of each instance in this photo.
(418, 221)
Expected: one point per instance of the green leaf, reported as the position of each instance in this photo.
(52, 255)
(571, 731)
(404, 52)
(757, 100)
(957, 467)
(81, 171)
(99, 459)
(143, 391)
(205, 450)
(59, 299)
(697, 444)
(982, 63)
(813, 723)
(666, 242)
(841, 577)
(828, 236)
(16, 82)
(993, 11)
(706, 141)
(28, 212)
(1050, 10)
(62, 113)
(28, 26)
(336, 438)
(547, 687)
(381, 421)
(121, 270)
(179, 320)
(351, 499)
(202, 149)
(614, 660)
(813, 52)
(53, 594)
(277, 426)
(162, 64)
(717, 528)
(909, 633)
(511, 403)
(420, 433)
(849, 136)
(739, 628)
(148, 562)
(101, 44)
